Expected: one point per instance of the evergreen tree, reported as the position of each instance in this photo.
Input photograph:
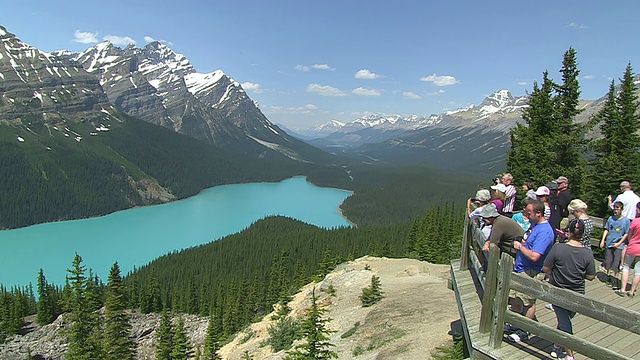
(182, 350)
(164, 338)
(551, 143)
(627, 102)
(46, 313)
(315, 333)
(211, 344)
(530, 144)
(569, 144)
(616, 152)
(373, 293)
(84, 334)
(117, 333)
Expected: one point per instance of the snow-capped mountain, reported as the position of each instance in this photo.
(500, 110)
(152, 83)
(37, 87)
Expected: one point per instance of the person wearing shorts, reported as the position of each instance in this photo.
(616, 230)
(632, 257)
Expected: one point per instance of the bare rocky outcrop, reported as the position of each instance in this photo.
(411, 320)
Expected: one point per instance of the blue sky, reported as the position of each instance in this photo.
(307, 63)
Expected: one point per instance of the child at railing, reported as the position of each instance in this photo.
(569, 264)
(616, 230)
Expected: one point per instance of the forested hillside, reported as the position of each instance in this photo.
(46, 176)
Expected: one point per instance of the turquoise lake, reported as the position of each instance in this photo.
(136, 236)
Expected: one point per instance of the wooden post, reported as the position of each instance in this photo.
(501, 300)
(490, 287)
(466, 242)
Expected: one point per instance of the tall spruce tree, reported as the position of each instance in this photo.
(211, 342)
(84, 335)
(117, 332)
(164, 337)
(616, 152)
(46, 307)
(182, 349)
(530, 150)
(569, 144)
(315, 334)
(627, 102)
(550, 143)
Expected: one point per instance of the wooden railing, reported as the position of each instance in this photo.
(499, 279)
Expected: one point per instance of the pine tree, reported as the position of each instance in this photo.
(46, 313)
(211, 344)
(164, 338)
(616, 152)
(551, 143)
(83, 336)
(627, 102)
(569, 143)
(315, 333)
(530, 143)
(373, 293)
(117, 333)
(182, 350)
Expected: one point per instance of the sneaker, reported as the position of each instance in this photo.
(549, 306)
(509, 329)
(630, 294)
(558, 352)
(518, 336)
(601, 268)
(619, 292)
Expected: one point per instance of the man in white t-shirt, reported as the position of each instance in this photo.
(628, 198)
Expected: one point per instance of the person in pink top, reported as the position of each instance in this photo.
(632, 257)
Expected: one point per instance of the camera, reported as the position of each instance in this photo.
(495, 181)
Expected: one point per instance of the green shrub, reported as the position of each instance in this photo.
(283, 334)
(351, 331)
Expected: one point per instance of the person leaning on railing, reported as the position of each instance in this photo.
(531, 254)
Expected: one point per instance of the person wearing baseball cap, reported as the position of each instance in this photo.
(628, 198)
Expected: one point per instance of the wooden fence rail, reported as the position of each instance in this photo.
(493, 290)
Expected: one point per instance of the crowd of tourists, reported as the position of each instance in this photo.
(550, 239)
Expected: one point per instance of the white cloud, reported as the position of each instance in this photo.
(249, 86)
(119, 40)
(523, 83)
(306, 109)
(366, 75)
(440, 80)
(411, 95)
(577, 26)
(316, 66)
(322, 67)
(149, 39)
(436, 93)
(325, 90)
(85, 37)
(366, 92)
(588, 77)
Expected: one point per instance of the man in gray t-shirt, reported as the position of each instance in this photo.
(504, 230)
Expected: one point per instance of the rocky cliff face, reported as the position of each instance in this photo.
(159, 86)
(41, 88)
(411, 320)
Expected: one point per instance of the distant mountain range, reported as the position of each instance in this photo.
(472, 138)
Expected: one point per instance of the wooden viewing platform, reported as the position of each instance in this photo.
(607, 325)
